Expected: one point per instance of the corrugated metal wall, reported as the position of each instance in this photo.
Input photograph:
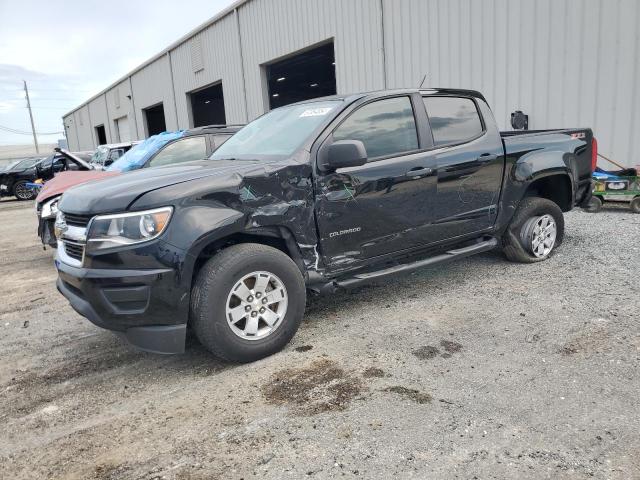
(271, 29)
(84, 128)
(71, 132)
(220, 62)
(119, 105)
(564, 62)
(152, 85)
(98, 116)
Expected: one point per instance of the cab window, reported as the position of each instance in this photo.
(59, 164)
(185, 150)
(453, 120)
(386, 127)
(115, 154)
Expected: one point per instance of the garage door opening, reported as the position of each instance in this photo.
(101, 135)
(207, 106)
(154, 120)
(306, 75)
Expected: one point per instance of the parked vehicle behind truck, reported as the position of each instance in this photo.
(158, 150)
(15, 181)
(108, 153)
(313, 196)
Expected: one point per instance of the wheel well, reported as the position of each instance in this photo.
(282, 240)
(556, 188)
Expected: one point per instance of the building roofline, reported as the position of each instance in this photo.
(219, 16)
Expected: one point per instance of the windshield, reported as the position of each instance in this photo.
(22, 164)
(138, 155)
(100, 155)
(278, 133)
(11, 164)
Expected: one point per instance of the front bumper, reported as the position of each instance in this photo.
(145, 306)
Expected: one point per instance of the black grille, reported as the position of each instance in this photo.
(77, 220)
(74, 250)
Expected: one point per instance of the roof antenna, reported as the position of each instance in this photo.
(423, 79)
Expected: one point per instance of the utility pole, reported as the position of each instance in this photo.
(33, 129)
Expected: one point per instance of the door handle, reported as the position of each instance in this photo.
(486, 157)
(419, 172)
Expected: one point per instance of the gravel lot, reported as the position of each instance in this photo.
(482, 369)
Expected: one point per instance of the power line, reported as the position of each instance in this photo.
(23, 132)
(40, 99)
(49, 108)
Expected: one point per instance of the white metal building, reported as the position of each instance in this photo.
(565, 63)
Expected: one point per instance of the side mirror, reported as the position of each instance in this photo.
(108, 162)
(346, 153)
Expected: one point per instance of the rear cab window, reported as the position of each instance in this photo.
(386, 127)
(453, 120)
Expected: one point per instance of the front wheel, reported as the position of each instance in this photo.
(23, 192)
(635, 205)
(247, 302)
(537, 228)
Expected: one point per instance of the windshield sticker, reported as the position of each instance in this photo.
(315, 112)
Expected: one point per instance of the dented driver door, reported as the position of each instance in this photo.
(383, 206)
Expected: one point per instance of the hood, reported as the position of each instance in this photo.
(117, 194)
(65, 180)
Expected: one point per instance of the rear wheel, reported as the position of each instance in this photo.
(247, 302)
(635, 205)
(23, 192)
(536, 229)
(595, 205)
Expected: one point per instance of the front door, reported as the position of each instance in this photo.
(383, 206)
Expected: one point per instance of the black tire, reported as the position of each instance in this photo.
(213, 286)
(22, 192)
(513, 245)
(595, 205)
(635, 205)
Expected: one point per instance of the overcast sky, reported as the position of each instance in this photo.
(69, 50)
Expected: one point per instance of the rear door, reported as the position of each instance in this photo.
(469, 157)
(383, 206)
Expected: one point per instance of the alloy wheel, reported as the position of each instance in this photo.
(539, 235)
(23, 192)
(256, 305)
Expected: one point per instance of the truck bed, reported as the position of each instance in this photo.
(573, 147)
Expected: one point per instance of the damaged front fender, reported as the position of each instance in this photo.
(262, 200)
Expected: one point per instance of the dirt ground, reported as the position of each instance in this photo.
(482, 369)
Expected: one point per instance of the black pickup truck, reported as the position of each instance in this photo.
(313, 196)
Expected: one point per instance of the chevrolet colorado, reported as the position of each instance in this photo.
(313, 196)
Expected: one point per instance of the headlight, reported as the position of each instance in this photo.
(107, 231)
(50, 209)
